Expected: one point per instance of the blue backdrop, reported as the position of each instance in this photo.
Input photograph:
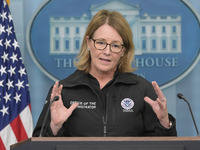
(23, 11)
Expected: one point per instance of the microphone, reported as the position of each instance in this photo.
(180, 96)
(45, 119)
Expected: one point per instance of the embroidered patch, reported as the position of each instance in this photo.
(84, 105)
(127, 104)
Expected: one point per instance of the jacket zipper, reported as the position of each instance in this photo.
(105, 119)
(104, 128)
(104, 116)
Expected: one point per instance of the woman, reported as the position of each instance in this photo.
(103, 97)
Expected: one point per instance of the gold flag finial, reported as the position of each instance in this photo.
(8, 2)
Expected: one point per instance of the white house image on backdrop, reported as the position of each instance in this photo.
(152, 34)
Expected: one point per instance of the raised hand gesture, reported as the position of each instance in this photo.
(159, 106)
(59, 113)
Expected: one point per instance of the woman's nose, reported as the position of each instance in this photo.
(107, 49)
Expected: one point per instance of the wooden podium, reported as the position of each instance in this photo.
(109, 143)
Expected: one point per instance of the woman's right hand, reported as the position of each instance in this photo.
(59, 113)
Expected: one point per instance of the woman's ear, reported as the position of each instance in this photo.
(87, 39)
(124, 51)
(88, 42)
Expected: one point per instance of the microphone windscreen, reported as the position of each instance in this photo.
(55, 98)
(179, 95)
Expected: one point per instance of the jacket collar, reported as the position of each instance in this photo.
(128, 78)
(81, 78)
(77, 78)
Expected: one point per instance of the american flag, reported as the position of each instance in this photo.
(15, 109)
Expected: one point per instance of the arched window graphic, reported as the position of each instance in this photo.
(174, 29)
(163, 29)
(67, 44)
(77, 30)
(144, 43)
(77, 42)
(164, 43)
(153, 43)
(174, 43)
(56, 44)
(153, 29)
(57, 31)
(67, 30)
(143, 30)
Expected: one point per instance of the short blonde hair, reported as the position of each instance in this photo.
(119, 23)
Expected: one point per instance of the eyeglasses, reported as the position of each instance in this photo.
(115, 47)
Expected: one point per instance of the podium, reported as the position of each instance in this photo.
(109, 143)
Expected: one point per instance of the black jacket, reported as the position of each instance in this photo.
(127, 114)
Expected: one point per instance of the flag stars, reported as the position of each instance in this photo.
(3, 16)
(7, 97)
(10, 17)
(20, 84)
(4, 110)
(4, 57)
(17, 97)
(15, 44)
(14, 57)
(7, 43)
(2, 70)
(2, 29)
(12, 70)
(14, 94)
(9, 84)
(1, 41)
(1, 83)
(22, 71)
(9, 30)
(4, 3)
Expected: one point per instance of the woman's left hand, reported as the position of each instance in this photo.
(159, 106)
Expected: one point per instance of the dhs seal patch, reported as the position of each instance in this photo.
(127, 105)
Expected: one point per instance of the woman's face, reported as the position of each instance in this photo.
(104, 61)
